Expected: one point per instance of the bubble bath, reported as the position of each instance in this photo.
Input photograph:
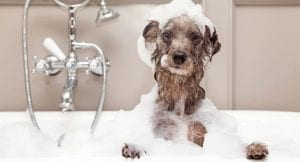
(228, 132)
(225, 140)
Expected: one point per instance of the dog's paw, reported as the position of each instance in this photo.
(131, 151)
(196, 133)
(257, 151)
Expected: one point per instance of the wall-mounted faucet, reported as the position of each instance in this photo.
(58, 61)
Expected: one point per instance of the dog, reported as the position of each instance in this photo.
(180, 55)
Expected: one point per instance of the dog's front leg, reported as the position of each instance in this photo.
(171, 106)
(190, 107)
(166, 101)
(196, 133)
(163, 125)
(257, 151)
(193, 99)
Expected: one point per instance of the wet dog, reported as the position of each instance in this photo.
(181, 51)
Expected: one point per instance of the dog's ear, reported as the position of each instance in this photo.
(211, 43)
(150, 32)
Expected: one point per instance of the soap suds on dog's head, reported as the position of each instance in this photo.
(163, 13)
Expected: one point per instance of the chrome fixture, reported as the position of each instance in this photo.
(105, 14)
(26, 67)
(58, 61)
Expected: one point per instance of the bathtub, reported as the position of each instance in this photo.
(280, 130)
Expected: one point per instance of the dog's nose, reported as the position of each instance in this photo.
(179, 57)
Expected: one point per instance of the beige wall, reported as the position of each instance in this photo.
(249, 57)
(128, 77)
(259, 67)
(266, 64)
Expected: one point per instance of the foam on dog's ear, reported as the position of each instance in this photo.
(147, 42)
(211, 44)
(150, 32)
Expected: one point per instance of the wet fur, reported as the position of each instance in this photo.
(178, 83)
(179, 91)
(173, 86)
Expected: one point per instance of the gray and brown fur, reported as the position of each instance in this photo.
(257, 151)
(185, 83)
(179, 57)
(179, 80)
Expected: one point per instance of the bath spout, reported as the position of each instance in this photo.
(67, 96)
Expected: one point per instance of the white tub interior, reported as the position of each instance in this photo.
(19, 141)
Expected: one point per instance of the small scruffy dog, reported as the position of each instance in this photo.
(181, 51)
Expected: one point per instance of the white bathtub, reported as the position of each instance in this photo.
(280, 130)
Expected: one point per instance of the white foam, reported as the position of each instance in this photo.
(18, 138)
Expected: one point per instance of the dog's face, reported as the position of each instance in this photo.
(181, 47)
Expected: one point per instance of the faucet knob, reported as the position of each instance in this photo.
(96, 65)
(40, 64)
(44, 65)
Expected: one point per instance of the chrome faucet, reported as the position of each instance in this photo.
(58, 61)
(54, 64)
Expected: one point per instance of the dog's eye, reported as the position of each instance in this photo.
(167, 35)
(195, 37)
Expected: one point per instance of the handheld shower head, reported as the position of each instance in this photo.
(105, 14)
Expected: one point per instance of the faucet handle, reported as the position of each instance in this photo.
(53, 48)
(40, 64)
(96, 65)
(44, 65)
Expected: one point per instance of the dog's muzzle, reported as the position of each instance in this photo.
(179, 57)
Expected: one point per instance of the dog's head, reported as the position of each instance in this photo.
(181, 47)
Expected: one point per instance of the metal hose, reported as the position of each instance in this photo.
(103, 88)
(26, 66)
(101, 101)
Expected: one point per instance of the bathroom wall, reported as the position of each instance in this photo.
(252, 71)
(128, 77)
(259, 68)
